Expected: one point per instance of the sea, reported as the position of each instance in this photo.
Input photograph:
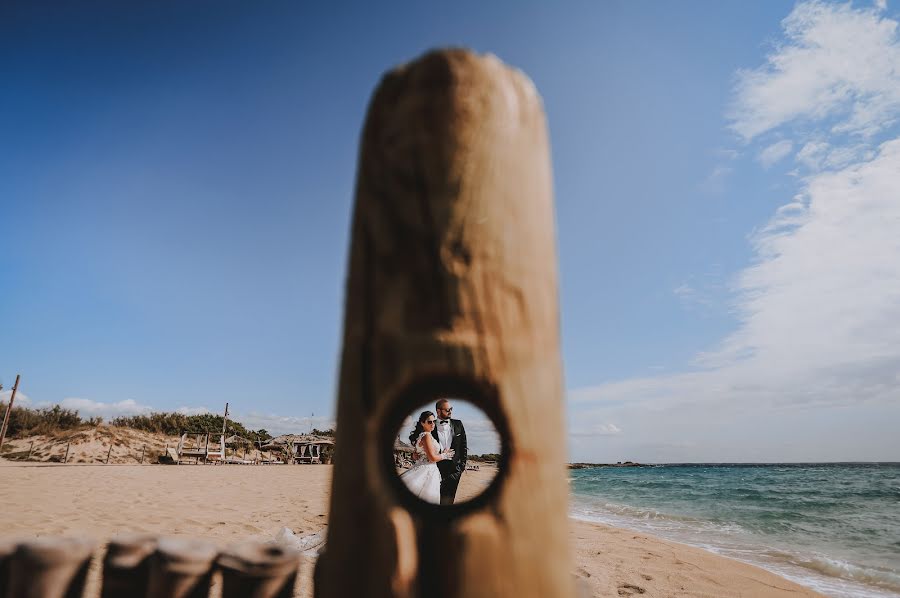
(833, 527)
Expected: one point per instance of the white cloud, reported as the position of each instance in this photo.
(89, 408)
(192, 410)
(598, 429)
(714, 183)
(838, 62)
(283, 424)
(727, 153)
(22, 399)
(812, 371)
(775, 152)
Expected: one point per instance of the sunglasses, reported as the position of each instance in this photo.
(429, 421)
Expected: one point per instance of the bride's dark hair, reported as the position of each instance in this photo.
(414, 435)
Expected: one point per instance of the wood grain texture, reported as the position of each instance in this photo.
(452, 272)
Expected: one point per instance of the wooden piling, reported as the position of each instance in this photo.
(49, 567)
(451, 291)
(181, 568)
(259, 570)
(126, 566)
(7, 548)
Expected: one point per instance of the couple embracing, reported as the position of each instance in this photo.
(440, 451)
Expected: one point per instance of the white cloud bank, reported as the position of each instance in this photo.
(837, 61)
(89, 408)
(812, 371)
(775, 152)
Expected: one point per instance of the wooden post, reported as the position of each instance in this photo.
(259, 570)
(181, 569)
(30, 450)
(126, 566)
(66, 457)
(108, 454)
(452, 284)
(49, 567)
(7, 549)
(143, 448)
(9, 407)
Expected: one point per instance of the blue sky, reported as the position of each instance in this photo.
(176, 185)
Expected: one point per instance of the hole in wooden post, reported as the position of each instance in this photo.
(475, 432)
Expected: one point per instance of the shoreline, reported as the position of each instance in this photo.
(614, 561)
(237, 503)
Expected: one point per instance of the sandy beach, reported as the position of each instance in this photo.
(227, 504)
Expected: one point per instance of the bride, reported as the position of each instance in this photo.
(424, 478)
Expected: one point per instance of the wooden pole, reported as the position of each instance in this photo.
(49, 567)
(452, 285)
(126, 566)
(31, 449)
(66, 457)
(7, 549)
(181, 568)
(9, 407)
(143, 448)
(259, 570)
(108, 453)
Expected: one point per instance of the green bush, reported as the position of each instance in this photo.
(174, 424)
(24, 421)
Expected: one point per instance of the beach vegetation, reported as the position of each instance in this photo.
(52, 421)
(24, 421)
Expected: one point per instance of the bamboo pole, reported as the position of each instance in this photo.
(9, 407)
(451, 291)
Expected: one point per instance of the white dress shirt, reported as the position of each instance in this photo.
(445, 434)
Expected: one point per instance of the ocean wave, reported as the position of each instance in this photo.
(876, 576)
(829, 576)
(618, 514)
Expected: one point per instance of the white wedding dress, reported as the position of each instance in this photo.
(424, 479)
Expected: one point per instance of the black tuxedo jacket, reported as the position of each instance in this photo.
(453, 468)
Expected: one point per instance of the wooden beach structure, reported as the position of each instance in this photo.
(302, 448)
(451, 292)
(199, 447)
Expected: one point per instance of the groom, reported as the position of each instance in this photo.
(451, 434)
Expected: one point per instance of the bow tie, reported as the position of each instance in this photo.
(445, 421)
